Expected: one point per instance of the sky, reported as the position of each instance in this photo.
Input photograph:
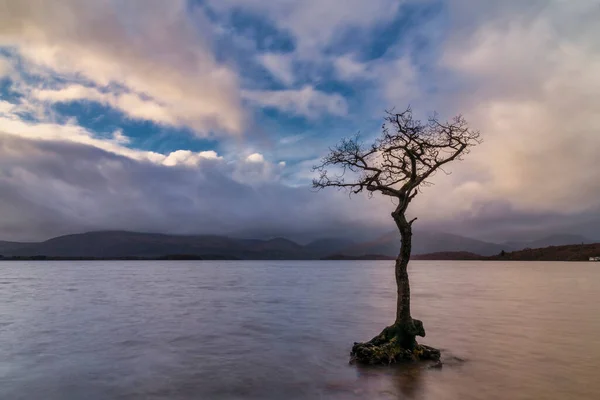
(206, 116)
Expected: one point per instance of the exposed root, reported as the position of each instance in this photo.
(396, 344)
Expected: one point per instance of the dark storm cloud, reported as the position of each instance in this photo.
(51, 188)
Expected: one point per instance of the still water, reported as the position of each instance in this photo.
(283, 330)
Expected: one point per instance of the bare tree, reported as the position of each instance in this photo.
(398, 164)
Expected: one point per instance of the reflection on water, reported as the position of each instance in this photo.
(272, 330)
(401, 382)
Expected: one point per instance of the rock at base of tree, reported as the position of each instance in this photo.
(396, 344)
(391, 353)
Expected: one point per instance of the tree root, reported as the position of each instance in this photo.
(396, 344)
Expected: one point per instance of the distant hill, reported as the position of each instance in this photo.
(119, 244)
(122, 244)
(448, 255)
(552, 240)
(364, 257)
(325, 247)
(576, 252)
(424, 243)
(132, 245)
(7, 246)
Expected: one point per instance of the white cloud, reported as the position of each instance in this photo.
(12, 124)
(251, 170)
(255, 158)
(348, 68)
(189, 158)
(150, 47)
(131, 104)
(120, 138)
(307, 101)
(530, 83)
(280, 66)
(257, 170)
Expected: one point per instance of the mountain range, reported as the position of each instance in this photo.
(122, 244)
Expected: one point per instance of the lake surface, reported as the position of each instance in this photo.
(283, 330)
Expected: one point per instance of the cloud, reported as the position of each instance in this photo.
(120, 138)
(397, 81)
(5, 68)
(86, 188)
(526, 76)
(393, 81)
(316, 23)
(131, 104)
(257, 171)
(189, 158)
(253, 169)
(255, 158)
(280, 66)
(318, 29)
(12, 124)
(307, 101)
(348, 68)
(524, 73)
(529, 82)
(160, 55)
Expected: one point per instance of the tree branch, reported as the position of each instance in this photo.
(401, 160)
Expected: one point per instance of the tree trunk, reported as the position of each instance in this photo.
(405, 327)
(403, 302)
(398, 342)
